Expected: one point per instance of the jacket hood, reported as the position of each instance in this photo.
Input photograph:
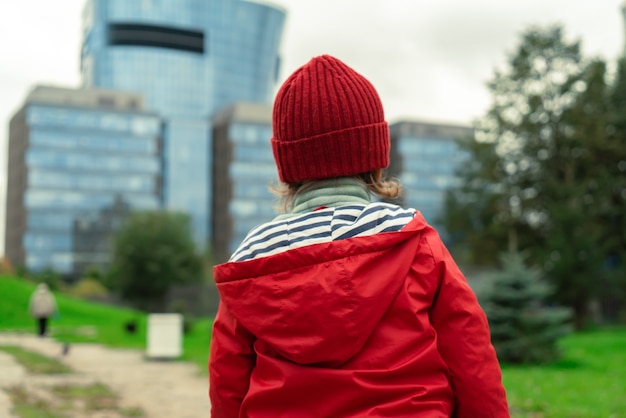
(319, 304)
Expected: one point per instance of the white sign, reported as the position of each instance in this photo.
(165, 335)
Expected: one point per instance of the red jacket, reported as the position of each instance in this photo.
(377, 326)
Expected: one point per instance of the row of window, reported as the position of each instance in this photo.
(254, 154)
(241, 171)
(61, 262)
(47, 241)
(418, 182)
(97, 142)
(418, 146)
(53, 200)
(257, 209)
(41, 179)
(91, 162)
(249, 134)
(161, 11)
(46, 220)
(252, 190)
(421, 197)
(428, 166)
(139, 125)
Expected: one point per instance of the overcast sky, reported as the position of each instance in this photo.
(428, 59)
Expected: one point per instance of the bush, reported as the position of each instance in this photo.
(5, 266)
(153, 251)
(524, 329)
(89, 289)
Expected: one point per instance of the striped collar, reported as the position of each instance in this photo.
(329, 193)
(325, 225)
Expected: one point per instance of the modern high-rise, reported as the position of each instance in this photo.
(424, 157)
(243, 170)
(188, 59)
(75, 156)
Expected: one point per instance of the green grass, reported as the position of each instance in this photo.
(35, 362)
(25, 405)
(96, 396)
(86, 321)
(64, 401)
(588, 382)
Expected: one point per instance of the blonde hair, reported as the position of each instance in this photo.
(385, 188)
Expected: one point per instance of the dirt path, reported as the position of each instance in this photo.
(161, 389)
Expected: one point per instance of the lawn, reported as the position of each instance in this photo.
(589, 381)
(86, 321)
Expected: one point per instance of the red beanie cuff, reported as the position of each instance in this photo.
(328, 121)
(334, 154)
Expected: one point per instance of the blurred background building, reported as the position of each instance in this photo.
(424, 157)
(243, 169)
(188, 59)
(72, 153)
(138, 134)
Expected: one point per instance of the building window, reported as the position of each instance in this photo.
(156, 36)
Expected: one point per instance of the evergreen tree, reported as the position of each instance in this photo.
(523, 328)
(611, 195)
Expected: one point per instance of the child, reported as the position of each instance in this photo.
(342, 307)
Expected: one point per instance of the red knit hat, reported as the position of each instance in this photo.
(328, 121)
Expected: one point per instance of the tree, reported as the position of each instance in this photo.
(528, 127)
(612, 193)
(514, 139)
(524, 329)
(537, 162)
(572, 252)
(471, 211)
(153, 251)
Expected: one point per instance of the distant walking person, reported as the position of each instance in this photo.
(42, 306)
(345, 306)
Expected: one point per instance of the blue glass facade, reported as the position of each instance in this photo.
(188, 59)
(424, 159)
(251, 172)
(243, 171)
(77, 162)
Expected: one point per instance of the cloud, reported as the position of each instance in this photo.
(432, 59)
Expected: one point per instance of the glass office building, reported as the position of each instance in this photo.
(75, 155)
(424, 157)
(188, 59)
(243, 170)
